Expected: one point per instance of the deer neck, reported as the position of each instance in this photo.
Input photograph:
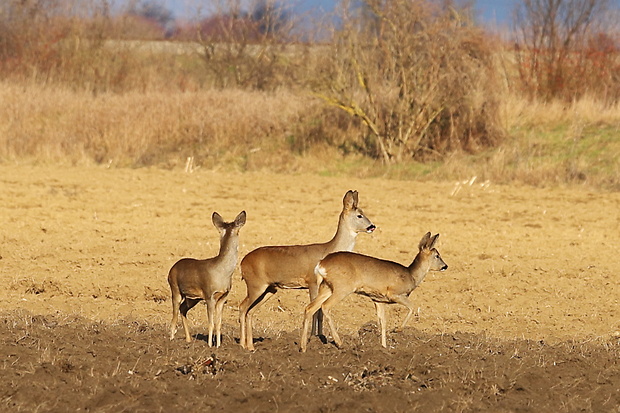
(418, 269)
(229, 247)
(344, 239)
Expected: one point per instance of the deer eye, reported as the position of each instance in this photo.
(360, 216)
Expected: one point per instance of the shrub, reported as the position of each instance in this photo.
(420, 77)
(76, 43)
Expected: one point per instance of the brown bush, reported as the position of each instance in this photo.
(420, 77)
(77, 44)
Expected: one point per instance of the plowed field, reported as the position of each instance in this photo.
(526, 318)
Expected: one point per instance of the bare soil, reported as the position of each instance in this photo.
(526, 318)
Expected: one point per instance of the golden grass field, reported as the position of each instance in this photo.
(527, 317)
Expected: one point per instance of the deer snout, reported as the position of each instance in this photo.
(445, 267)
(371, 228)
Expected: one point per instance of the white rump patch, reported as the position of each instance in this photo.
(319, 270)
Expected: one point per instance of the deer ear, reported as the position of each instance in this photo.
(432, 242)
(350, 200)
(424, 241)
(240, 220)
(217, 220)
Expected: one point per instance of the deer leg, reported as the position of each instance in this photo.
(317, 319)
(331, 301)
(211, 318)
(249, 335)
(252, 295)
(380, 307)
(256, 297)
(187, 305)
(176, 303)
(242, 315)
(323, 294)
(407, 303)
(219, 309)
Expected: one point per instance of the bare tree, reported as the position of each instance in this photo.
(272, 18)
(245, 47)
(552, 38)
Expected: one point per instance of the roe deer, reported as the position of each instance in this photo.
(384, 282)
(266, 269)
(194, 280)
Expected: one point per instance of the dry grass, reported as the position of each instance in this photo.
(517, 112)
(57, 124)
(82, 96)
(285, 131)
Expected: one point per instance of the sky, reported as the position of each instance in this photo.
(495, 12)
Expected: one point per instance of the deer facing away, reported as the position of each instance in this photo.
(193, 280)
(384, 282)
(266, 269)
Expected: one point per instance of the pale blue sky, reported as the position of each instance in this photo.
(490, 11)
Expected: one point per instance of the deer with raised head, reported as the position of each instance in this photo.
(193, 280)
(384, 282)
(266, 269)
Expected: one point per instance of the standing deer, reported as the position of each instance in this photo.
(384, 282)
(194, 280)
(266, 269)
